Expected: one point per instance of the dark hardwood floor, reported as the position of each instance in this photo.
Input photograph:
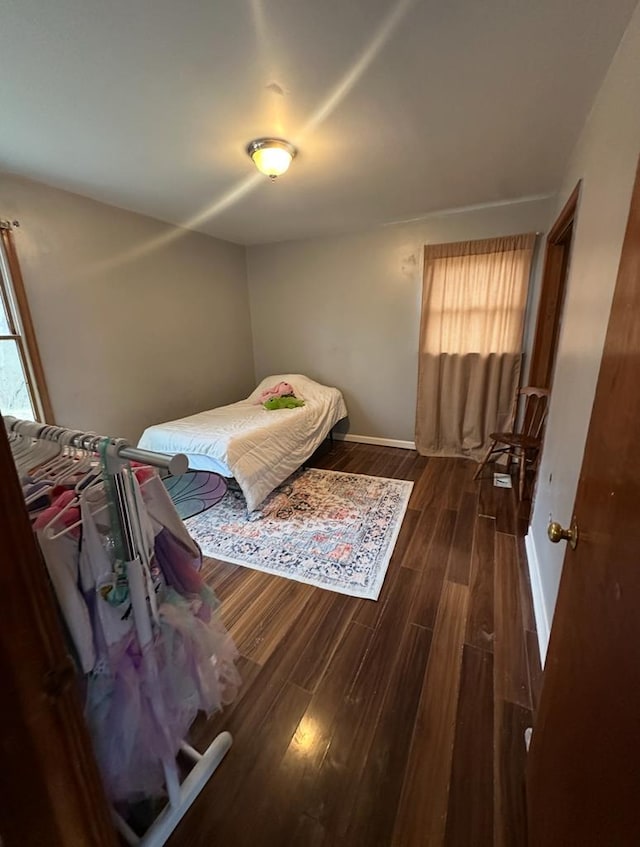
(398, 722)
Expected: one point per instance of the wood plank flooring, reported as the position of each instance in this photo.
(382, 724)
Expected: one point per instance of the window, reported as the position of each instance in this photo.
(473, 299)
(474, 296)
(23, 392)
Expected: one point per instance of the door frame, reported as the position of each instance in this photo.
(554, 280)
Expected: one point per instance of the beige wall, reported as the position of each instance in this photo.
(345, 310)
(605, 159)
(137, 321)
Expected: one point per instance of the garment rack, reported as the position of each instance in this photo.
(118, 452)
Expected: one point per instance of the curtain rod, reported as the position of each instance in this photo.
(9, 224)
(176, 465)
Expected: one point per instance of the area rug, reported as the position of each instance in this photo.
(332, 530)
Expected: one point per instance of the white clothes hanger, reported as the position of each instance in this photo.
(49, 528)
(30, 453)
(48, 467)
(23, 443)
(33, 454)
(80, 487)
(68, 462)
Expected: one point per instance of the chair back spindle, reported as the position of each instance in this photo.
(524, 442)
(535, 410)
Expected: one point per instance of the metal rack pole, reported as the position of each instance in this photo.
(176, 465)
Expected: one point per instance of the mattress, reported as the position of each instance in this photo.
(259, 448)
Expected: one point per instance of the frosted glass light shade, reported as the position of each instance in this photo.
(272, 161)
(271, 156)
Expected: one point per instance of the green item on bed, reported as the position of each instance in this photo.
(288, 401)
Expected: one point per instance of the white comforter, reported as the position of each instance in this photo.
(259, 448)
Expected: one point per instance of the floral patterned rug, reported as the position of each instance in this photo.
(333, 530)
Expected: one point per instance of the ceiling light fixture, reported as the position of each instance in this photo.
(271, 156)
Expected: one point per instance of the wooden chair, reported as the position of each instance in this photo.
(523, 444)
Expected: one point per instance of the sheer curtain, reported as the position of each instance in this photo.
(473, 300)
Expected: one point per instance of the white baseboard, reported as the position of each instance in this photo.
(539, 608)
(370, 439)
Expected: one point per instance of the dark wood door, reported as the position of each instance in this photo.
(584, 762)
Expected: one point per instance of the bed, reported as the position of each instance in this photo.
(260, 448)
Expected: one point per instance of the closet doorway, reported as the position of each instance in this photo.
(554, 279)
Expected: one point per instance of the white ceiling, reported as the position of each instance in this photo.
(399, 107)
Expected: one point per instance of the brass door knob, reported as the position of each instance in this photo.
(556, 533)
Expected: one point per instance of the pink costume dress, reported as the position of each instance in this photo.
(141, 697)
